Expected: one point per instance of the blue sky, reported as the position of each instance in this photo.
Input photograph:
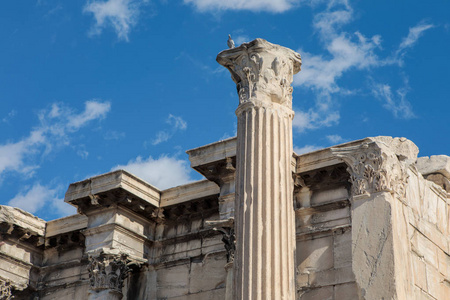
(87, 87)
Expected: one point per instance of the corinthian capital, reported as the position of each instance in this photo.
(5, 290)
(373, 169)
(107, 272)
(262, 71)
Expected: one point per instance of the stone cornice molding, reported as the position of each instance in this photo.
(262, 70)
(373, 169)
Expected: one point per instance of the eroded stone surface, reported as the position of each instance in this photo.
(436, 164)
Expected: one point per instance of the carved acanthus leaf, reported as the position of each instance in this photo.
(262, 70)
(372, 170)
(107, 272)
(5, 290)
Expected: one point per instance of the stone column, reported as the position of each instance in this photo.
(264, 211)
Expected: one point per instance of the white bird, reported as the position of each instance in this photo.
(230, 42)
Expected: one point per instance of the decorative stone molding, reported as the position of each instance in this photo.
(5, 290)
(321, 178)
(66, 241)
(263, 74)
(373, 170)
(107, 272)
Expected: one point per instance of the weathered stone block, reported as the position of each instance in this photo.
(209, 295)
(315, 255)
(434, 164)
(325, 196)
(430, 202)
(173, 281)
(331, 277)
(420, 274)
(212, 244)
(302, 280)
(207, 274)
(436, 284)
(303, 198)
(346, 291)
(425, 248)
(323, 293)
(342, 249)
(444, 263)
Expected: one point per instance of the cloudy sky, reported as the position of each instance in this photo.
(89, 86)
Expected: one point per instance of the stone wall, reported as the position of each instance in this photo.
(324, 237)
(357, 236)
(427, 218)
(188, 257)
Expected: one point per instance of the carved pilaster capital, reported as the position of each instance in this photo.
(262, 70)
(229, 240)
(108, 271)
(373, 170)
(5, 290)
(226, 228)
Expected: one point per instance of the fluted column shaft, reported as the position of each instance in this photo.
(264, 205)
(264, 213)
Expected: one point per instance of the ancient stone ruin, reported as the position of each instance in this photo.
(367, 219)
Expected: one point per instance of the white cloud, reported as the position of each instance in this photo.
(161, 137)
(394, 102)
(315, 118)
(121, 15)
(35, 198)
(93, 110)
(176, 124)
(163, 173)
(409, 41)
(12, 156)
(83, 153)
(344, 53)
(347, 52)
(335, 139)
(306, 149)
(56, 125)
(275, 6)
(9, 116)
(414, 34)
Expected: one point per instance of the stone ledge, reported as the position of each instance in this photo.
(65, 225)
(119, 179)
(23, 220)
(212, 152)
(188, 192)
